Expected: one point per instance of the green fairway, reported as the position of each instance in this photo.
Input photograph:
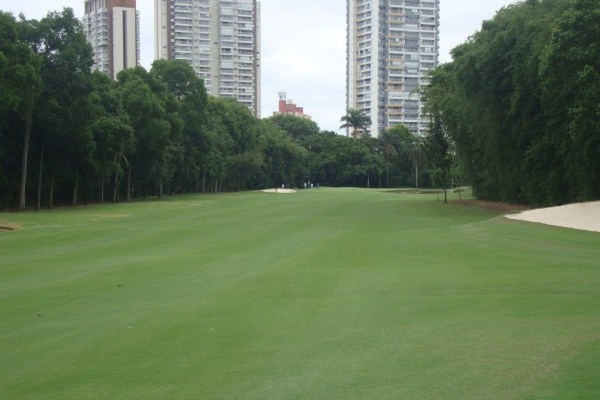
(322, 294)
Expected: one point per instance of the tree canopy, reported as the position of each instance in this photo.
(70, 136)
(520, 103)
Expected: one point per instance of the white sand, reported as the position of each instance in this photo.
(282, 191)
(582, 216)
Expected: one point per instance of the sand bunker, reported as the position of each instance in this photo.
(282, 191)
(582, 216)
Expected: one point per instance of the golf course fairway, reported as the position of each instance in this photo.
(321, 294)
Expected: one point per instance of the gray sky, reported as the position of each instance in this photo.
(303, 45)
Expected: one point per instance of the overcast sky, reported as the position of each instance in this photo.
(303, 45)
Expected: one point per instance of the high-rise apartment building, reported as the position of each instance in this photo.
(392, 45)
(220, 39)
(112, 28)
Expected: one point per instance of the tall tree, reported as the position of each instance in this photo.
(390, 150)
(437, 149)
(510, 143)
(148, 115)
(285, 159)
(356, 120)
(112, 131)
(409, 144)
(570, 72)
(245, 161)
(415, 150)
(63, 108)
(191, 102)
(21, 84)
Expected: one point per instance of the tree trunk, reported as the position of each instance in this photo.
(28, 122)
(116, 183)
(387, 174)
(40, 176)
(129, 184)
(160, 190)
(204, 180)
(102, 190)
(51, 194)
(416, 176)
(75, 187)
(445, 188)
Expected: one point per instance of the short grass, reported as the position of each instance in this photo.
(324, 294)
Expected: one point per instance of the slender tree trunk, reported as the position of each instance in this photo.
(416, 175)
(102, 190)
(38, 205)
(387, 174)
(160, 190)
(368, 181)
(75, 187)
(28, 122)
(116, 183)
(445, 188)
(203, 180)
(129, 184)
(197, 187)
(51, 194)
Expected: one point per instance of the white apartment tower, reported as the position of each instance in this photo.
(112, 28)
(392, 45)
(220, 39)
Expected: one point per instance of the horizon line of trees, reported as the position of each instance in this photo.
(516, 114)
(71, 136)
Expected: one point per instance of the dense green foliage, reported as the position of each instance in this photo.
(520, 101)
(68, 135)
(72, 136)
(336, 160)
(329, 294)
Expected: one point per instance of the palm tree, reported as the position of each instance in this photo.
(357, 120)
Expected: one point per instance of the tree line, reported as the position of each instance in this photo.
(520, 103)
(71, 136)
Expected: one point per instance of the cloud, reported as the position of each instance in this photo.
(304, 54)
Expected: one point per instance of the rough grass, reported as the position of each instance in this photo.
(324, 294)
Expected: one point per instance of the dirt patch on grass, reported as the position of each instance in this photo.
(490, 205)
(8, 226)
